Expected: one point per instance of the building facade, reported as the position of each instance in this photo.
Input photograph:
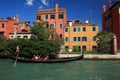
(55, 17)
(13, 25)
(81, 35)
(111, 20)
(24, 35)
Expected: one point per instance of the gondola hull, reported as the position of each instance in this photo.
(59, 60)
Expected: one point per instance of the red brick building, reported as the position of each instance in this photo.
(8, 26)
(55, 17)
(111, 20)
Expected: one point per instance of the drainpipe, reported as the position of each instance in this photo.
(56, 17)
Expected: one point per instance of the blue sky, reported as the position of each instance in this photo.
(76, 9)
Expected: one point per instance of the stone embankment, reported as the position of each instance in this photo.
(94, 56)
(101, 57)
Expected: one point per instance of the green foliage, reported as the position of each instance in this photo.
(3, 44)
(105, 42)
(76, 49)
(39, 31)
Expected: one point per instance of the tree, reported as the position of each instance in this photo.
(40, 31)
(105, 42)
(3, 43)
(47, 47)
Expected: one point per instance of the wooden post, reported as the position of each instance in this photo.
(115, 44)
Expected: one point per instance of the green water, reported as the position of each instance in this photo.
(78, 70)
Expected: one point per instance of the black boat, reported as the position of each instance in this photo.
(59, 60)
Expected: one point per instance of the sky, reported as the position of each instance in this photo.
(76, 9)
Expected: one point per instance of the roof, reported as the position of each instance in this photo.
(83, 24)
(20, 33)
(117, 2)
(50, 10)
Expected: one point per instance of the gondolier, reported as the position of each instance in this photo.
(17, 52)
(17, 48)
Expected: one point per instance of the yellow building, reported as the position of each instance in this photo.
(80, 35)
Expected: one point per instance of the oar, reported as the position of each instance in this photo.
(16, 60)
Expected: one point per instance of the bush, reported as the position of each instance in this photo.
(28, 48)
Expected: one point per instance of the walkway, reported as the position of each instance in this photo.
(94, 56)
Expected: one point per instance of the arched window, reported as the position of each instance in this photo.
(3, 25)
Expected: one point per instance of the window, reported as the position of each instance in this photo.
(61, 26)
(18, 36)
(74, 29)
(61, 35)
(66, 29)
(94, 38)
(84, 29)
(46, 16)
(38, 17)
(52, 16)
(84, 39)
(75, 39)
(66, 39)
(61, 16)
(93, 29)
(11, 36)
(52, 26)
(78, 29)
(3, 25)
(24, 30)
(78, 38)
(109, 16)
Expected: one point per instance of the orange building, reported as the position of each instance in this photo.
(55, 17)
(8, 26)
(81, 35)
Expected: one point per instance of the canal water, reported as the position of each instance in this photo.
(78, 70)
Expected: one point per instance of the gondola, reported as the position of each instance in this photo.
(59, 60)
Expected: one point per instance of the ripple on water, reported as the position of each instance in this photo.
(78, 70)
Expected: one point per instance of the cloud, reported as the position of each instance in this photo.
(29, 2)
(45, 2)
(40, 7)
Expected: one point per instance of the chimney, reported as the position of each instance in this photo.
(17, 18)
(109, 3)
(56, 6)
(104, 8)
(70, 24)
(86, 21)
